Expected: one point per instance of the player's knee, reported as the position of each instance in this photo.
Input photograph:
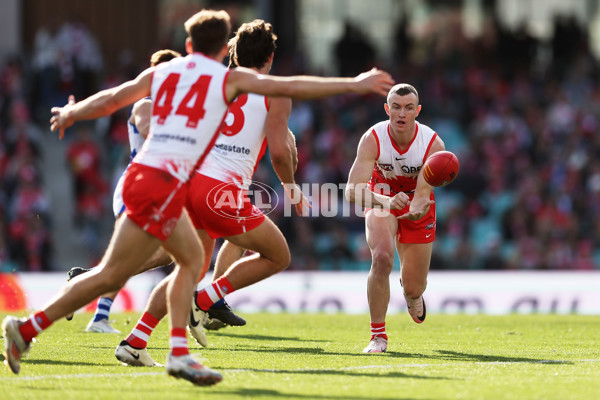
(284, 259)
(382, 261)
(280, 259)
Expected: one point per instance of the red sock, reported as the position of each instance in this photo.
(213, 293)
(34, 325)
(179, 344)
(378, 330)
(140, 334)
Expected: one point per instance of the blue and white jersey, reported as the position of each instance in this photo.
(136, 141)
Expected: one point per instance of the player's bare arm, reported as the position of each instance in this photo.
(419, 206)
(244, 80)
(102, 103)
(282, 154)
(141, 115)
(357, 190)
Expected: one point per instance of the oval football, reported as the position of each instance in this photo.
(441, 168)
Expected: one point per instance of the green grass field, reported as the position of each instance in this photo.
(305, 356)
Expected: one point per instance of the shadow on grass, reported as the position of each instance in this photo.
(271, 338)
(266, 393)
(457, 356)
(61, 362)
(340, 372)
(439, 355)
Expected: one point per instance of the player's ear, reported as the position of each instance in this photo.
(387, 108)
(224, 51)
(418, 110)
(188, 46)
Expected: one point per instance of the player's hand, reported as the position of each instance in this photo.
(297, 198)
(399, 201)
(418, 209)
(61, 119)
(375, 80)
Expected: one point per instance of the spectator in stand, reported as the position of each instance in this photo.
(84, 156)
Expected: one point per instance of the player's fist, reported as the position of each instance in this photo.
(399, 201)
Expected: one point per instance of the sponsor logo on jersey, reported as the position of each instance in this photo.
(385, 167)
(410, 170)
(164, 137)
(232, 148)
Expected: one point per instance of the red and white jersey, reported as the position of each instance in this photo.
(188, 107)
(397, 169)
(242, 141)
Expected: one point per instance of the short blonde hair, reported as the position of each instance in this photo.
(402, 89)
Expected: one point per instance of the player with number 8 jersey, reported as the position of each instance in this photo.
(242, 141)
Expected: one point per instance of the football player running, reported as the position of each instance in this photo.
(217, 198)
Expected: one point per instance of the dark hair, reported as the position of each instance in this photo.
(252, 45)
(403, 89)
(208, 31)
(162, 56)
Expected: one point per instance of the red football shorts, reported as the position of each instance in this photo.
(419, 231)
(221, 208)
(154, 199)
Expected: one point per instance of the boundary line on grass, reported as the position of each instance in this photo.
(385, 366)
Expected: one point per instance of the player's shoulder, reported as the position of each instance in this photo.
(378, 129)
(370, 140)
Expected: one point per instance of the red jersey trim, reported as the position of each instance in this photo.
(211, 144)
(261, 153)
(429, 147)
(225, 94)
(377, 140)
(267, 103)
(410, 144)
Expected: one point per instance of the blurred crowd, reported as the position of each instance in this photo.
(521, 114)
